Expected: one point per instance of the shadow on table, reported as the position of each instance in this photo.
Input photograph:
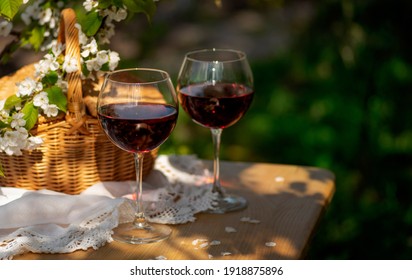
(288, 212)
(285, 205)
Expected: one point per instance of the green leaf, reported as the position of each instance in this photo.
(3, 125)
(57, 97)
(104, 4)
(51, 78)
(30, 115)
(118, 3)
(12, 101)
(90, 23)
(141, 6)
(1, 171)
(9, 8)
(36, 37)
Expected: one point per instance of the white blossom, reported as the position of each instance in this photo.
(70, 64)
(90, 4)
(114, 59)
(50, 110)
(45, 16)
(62, 84)
(120, 15)
(44, 66)
(41, 99)
(31, 12)
(53, 21)
(14, 141)
(90, 48)
(82, 37)
(106, 33)
(57, 48)
(2, 102)
(33, 142)
(114, 13)
(230, 229)
(17, 120)
(5, 28)
(14, 137)
(102, 57)
(27, 87)
(92, 65)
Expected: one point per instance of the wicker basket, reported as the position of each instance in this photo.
(76, 153)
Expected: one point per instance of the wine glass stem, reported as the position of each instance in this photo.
(139, 217)
(216, 135)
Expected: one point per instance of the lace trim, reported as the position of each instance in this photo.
(177, 189)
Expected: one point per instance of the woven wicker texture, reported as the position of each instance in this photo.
(76, 153)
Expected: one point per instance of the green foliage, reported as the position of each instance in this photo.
(339, 99)
(57, 97)
(147, 7)
(11, 101)
(34, 37)
(50, 78)
(9, 8)
(90, 22)
(31, 114)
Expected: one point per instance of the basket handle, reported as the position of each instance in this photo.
(69, 35)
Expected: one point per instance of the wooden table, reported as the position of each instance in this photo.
(288, 200)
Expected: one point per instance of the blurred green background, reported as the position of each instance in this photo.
(333, 83)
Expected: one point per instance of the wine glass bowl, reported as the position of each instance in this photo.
(215, 88)
(138, 109)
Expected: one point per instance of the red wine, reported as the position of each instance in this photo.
(138, 128)
(216, 106)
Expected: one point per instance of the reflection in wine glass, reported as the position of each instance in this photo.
(138, 109)
(215, 87)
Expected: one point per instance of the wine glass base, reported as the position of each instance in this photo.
(141, 234)
(228, 203)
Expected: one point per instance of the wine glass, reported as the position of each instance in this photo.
(137, 109)
(215, 88)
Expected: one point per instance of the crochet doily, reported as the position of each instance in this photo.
(48, 222)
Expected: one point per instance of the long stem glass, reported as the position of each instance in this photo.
(215, 87)
(138, 109)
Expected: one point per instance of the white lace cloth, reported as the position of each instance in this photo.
(50, 222)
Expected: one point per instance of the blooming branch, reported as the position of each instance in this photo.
(45, 94)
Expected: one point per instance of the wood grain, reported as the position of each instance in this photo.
(288, 200)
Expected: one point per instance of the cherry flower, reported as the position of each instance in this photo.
(102, 57)
(45, 16)
(51, 69)
(50, 110)
(70, 64)
(105, 33)
(33, 142)
(44, 66)
(31, 12)
(14, 141)
(90, 4)
(27, 87)
(57, 48)
(90, 48)
(114, 13)
(17, 120)
(41, 99)
(5, 28)
(114, 59)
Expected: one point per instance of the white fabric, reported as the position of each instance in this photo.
(50, 222)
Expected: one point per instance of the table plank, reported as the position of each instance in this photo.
(288, 200)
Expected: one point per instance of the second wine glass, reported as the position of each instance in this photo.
(215, 88)
(138, 109)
